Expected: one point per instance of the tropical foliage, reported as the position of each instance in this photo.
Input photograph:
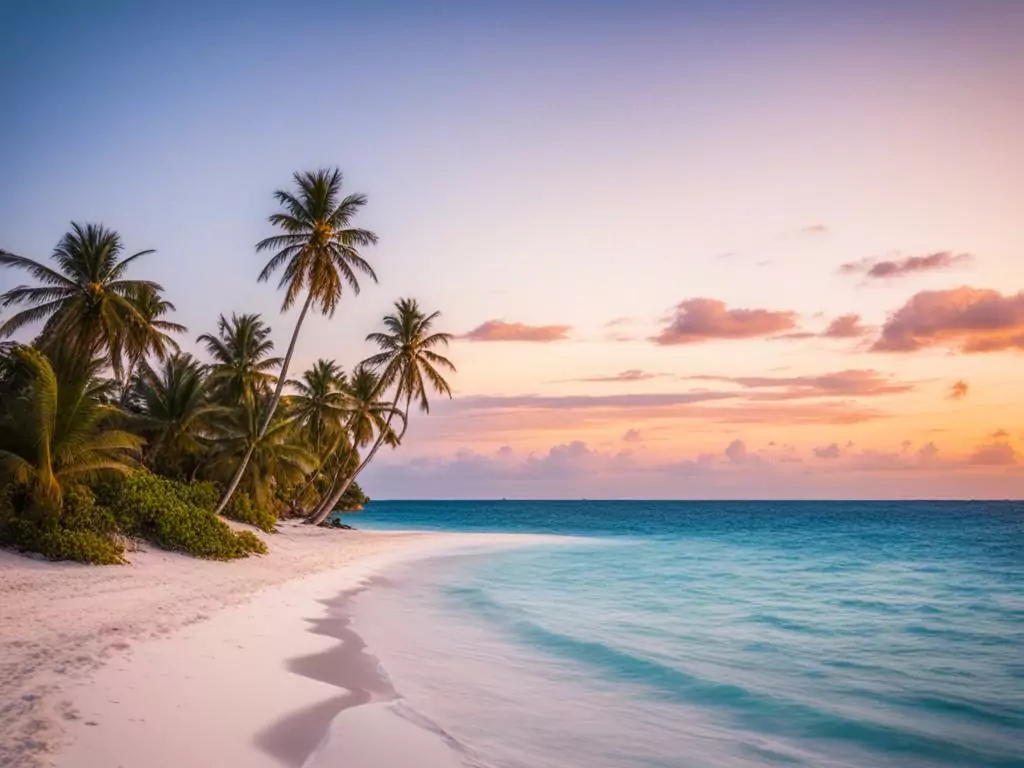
(109, 432)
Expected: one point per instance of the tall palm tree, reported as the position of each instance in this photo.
(242, 368)
(85, 299)
(176, 414)
(408, 362)
(58, 432)
(319, 250)
(152, 335)
(369, 422)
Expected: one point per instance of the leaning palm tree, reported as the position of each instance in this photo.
(408, 362)
(57, 431)
(319, 250)
(176, 414)
(242, 369)
(369, 422)
(85, 298)
(278, 455)
(150, 337)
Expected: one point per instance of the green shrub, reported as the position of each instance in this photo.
(251, 543)
(163, 511)
(83, 546)
(242, 509)
(204, 495)
(85, 532)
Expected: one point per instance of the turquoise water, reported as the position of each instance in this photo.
(715, 634)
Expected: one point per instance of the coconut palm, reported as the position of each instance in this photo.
(242, 368)
(319, 251)
(278, 456)
(408, 362)
(85, 298)
(57, 431)
(369, 422)
(320, 404)
(152, 336)
(175, 413)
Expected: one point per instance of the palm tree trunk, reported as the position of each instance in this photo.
(127, 381)
(281, 379)
(324, 510)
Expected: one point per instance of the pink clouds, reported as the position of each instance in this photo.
(699, 320)
(969, 319)
(631, 375)
(998, 453)
(845, 327)
(575, 468)
(632, 436)
(848, 383)
(499, 330)
(899, 268)
(828, 451)
(815, 229)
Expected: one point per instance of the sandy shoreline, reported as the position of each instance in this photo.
(177, 661)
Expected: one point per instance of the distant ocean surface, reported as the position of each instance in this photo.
(713, 634)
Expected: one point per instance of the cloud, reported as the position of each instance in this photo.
(998, 453)
(848, 383)
(736, 452)
(620, 321)
(698, 320)
(877, 270)
(828, 451)
(560, 402)
(633, 374)
(632, 436)
(499, 330)
(969, 319)
(958, 390)
(845, 327)
(815, 229)
(1000, 434)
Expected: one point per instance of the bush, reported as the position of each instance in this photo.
(242, 509)
(83, 546)
(164, 512)
(85, 532)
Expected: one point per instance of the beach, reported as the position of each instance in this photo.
(172, 660)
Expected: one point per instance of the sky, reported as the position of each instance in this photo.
(728, 249)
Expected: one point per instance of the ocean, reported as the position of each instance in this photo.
(711, 634)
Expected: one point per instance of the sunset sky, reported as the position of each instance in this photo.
(691, 250)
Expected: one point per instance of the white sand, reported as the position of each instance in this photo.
(174, 661)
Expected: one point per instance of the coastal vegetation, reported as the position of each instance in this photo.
(111, 434)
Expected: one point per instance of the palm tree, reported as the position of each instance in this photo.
(278, 456)
(57, 431)
(242, 366)
(407, 361)
(369, 422)
(86, 300)
(152, 336)
(319, 250)
(176, 414)
(321, 403)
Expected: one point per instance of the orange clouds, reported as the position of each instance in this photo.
(699, 320)
(970, 319)
(499, 330)
(958, 390)
(902, 267)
